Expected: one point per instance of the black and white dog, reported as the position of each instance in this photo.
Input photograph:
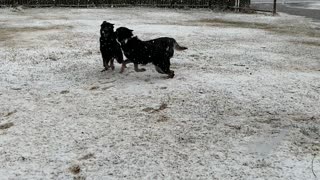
(109, 47)
(157, 51)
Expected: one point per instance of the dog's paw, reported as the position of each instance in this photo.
(171, 75)
(140, 70)
(105, 69)
(122, 68)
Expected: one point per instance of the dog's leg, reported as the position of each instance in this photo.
(105, 66)
(159, 70)
(136, 68)
(112, 64)
(165, 69)
(124, 65)
(105, 61)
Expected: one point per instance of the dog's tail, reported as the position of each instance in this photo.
(178, 47)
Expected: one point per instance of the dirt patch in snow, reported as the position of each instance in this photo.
(6, 126)
(309, 43)
(75, 169)
(281, 29)
(12, 30)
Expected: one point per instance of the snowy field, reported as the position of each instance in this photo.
(244, 104)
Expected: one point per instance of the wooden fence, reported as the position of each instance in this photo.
(120, 3)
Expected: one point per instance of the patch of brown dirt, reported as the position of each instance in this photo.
(7, 33)
(75, 169)
(6, 126)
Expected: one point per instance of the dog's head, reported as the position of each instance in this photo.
(106, 29)
(123, 33)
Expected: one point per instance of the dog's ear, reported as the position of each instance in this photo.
(105, 22)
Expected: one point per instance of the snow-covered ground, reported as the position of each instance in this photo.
(245, 102)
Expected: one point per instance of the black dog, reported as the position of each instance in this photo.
(157, 51)
(109, 47)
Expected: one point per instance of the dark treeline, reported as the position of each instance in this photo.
(119, 3)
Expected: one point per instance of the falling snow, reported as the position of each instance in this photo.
(244, 103)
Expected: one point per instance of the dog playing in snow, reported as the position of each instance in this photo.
(156, 51)
(109, 47)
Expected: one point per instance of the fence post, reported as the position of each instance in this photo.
(172, 3)
(274, 7)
